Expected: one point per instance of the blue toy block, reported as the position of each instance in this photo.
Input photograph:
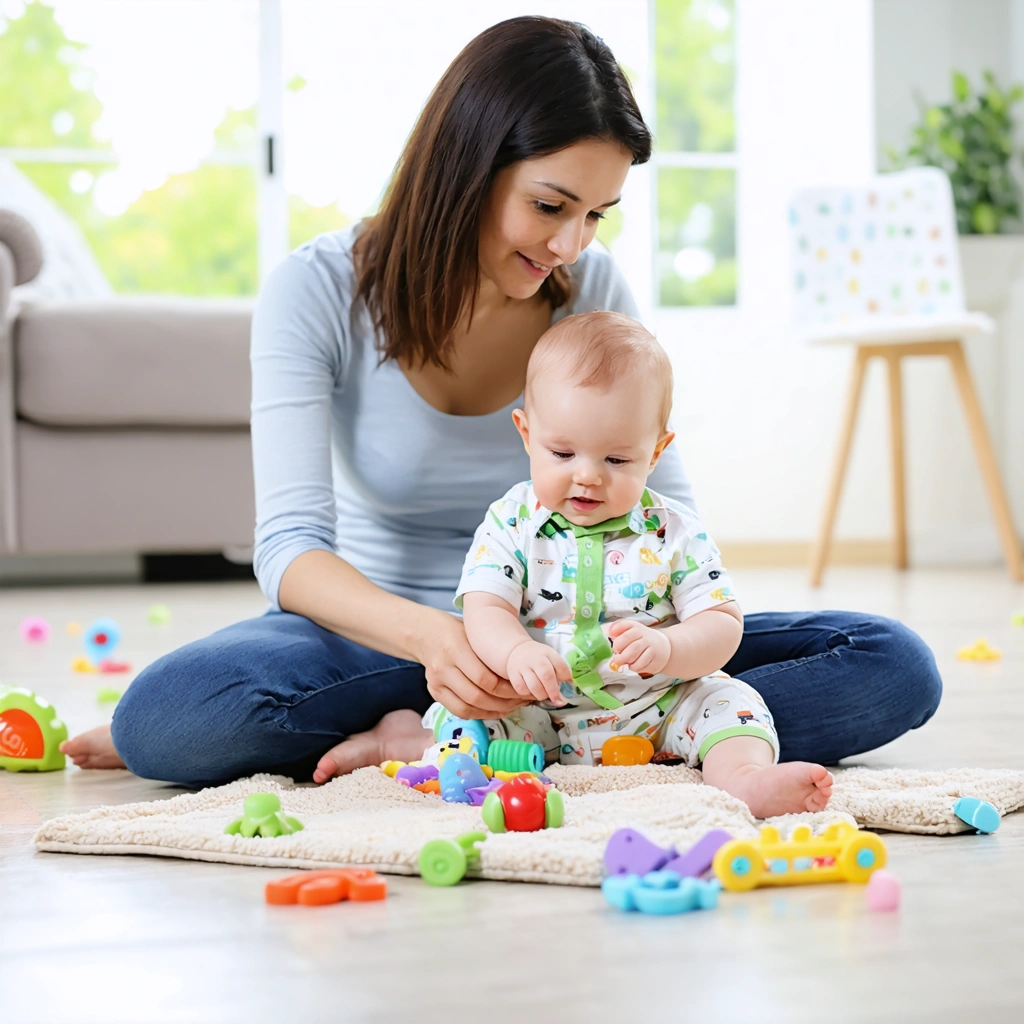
(979, 814)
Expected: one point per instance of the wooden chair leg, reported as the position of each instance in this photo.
(821, 546)
(899, 501)
(986, 461)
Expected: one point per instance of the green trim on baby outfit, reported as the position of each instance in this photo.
(736, 730)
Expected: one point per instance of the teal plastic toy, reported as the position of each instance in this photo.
(660, 892)
(261, 817)
(979, 814)
(30, 732)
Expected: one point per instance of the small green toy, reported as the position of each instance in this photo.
(159, 615)
(30, 732)
(445, 861)
(108, 695)
(261, 817)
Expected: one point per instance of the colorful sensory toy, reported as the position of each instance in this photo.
(445, 861)
(30, 732)
(523, 804)
(34, 630)
(980, 650)
(979, 814)
(630, 853)
(841, 854)
(627, 750)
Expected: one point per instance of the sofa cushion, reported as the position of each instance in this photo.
(134, 362)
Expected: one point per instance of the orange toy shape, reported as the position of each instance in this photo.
(627, 750)
(316, 888)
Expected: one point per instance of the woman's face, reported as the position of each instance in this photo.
(543, 212)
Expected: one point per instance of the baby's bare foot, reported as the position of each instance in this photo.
(93, 749)
(788, 788)
(398, 736)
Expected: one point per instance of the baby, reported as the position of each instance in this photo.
(605, 604)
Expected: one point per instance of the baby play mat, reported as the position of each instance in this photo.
(369, 819)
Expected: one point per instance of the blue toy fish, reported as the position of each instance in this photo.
(459, 773)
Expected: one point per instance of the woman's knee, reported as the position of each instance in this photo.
(917, 688)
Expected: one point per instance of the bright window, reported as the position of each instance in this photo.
(695, 153)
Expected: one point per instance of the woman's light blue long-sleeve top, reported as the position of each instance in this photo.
(349, 458)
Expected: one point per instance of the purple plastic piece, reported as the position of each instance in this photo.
(698, 857)
(413, 775)
(479, 793)
(630, 853)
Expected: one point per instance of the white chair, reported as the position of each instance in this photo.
(877, 267)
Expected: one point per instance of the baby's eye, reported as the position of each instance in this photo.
(616, 462)
(562, 455)
(547, 207)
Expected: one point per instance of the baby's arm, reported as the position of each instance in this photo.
(698, 646)
(503, 645)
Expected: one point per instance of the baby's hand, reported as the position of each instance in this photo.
(645, 650)
(534, 670)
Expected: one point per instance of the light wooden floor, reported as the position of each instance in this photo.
(137, 939)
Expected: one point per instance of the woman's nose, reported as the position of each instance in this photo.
(568, 243)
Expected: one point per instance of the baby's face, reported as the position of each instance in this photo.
(590, 450)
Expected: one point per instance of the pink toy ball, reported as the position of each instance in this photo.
(884, 891)
(34, 630)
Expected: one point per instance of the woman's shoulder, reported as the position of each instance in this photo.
(326, 262)
(598, 284)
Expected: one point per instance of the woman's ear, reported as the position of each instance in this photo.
(663, 442)
(519, 419)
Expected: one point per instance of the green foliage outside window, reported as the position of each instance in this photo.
(194, 235)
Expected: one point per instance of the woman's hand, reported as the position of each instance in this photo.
(457, 678)
(535, 670)
(645, 650)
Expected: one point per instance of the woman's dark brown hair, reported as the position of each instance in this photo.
(523, 88)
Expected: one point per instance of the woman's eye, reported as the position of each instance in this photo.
(547, 207)
(562, 455)
(594, 215)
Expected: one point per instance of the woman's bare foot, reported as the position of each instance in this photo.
(398, 736)
(93, 749)
(788, 788)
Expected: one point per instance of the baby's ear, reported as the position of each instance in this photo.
(663, 442)
(519, 419)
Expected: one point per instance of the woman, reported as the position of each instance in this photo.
(386, 362)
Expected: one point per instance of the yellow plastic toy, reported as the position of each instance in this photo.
(842, 854)
(980, 650)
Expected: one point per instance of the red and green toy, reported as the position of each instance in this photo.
(523, 804)
(30, 732)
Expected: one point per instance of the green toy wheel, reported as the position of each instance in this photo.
(493, 813)
(554, 809)
(442, 862)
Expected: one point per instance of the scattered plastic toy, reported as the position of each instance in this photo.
(478, 794)
(445, 861)
(627, 750)
(660, 892)
(159, 615)
(884, 891)
(34, 630)
(108, 695)
(80, 663)
(1017, 619)
(979, 814)
(74, 629)
(980, 650)
(630, 853)
(318, 888)
(261, 817)
(413, 775)
(841, 854)
(459, 773)
(523, 805)
(30, 732)
(100, 640)
(500, 755)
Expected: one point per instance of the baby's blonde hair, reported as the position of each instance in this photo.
(596, 349)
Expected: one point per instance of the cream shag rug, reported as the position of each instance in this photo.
(368, 819)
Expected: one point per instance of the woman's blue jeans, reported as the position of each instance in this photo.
(273, 694)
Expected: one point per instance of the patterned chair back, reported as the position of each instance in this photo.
(884, 250)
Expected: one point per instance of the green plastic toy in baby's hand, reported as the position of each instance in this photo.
(261, 817)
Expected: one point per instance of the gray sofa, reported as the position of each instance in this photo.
(124, 423)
